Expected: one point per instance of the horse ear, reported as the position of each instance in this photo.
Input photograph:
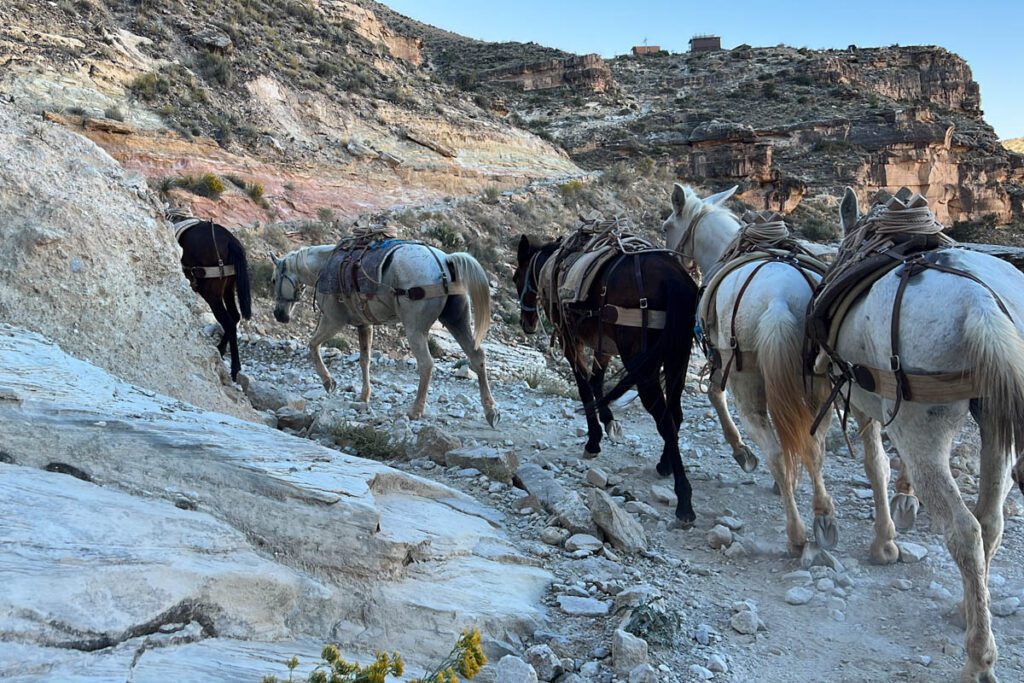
(721, 197)
(524, 248)
(273, 258)
(849, 211)
(678, 198)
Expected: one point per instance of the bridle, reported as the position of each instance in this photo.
(689, 236)
(298, 289)
(530, 288)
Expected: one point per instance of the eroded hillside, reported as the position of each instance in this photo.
(321, 104)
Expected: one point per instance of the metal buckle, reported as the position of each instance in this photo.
(643, 303)
(894, 363)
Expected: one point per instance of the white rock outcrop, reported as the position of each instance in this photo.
(88, 262)
(165, 538)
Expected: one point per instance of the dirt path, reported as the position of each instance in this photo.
(862, 622)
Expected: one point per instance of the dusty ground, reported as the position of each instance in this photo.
(864, 623)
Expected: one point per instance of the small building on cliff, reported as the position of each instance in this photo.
(705, 43)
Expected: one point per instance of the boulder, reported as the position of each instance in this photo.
(269, 396)
(623, 531)
(544, 661)
(628, 652)
(201, 520)
(511, 669)
(541, 484)
(433, 443)
(498, 465)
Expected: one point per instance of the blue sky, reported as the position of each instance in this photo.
(989, 34)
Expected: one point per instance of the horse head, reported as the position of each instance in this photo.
(530, 258)
(687, 211)
(287, 289)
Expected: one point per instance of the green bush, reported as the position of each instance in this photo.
(369, 442)
(150, 85)
(491, 194)
(447, 237)
(206, 185)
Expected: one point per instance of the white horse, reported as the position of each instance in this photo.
(948, 323)
(769, 325)
(411, 266)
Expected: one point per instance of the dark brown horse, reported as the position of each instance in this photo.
(645, 352)
(215, 264)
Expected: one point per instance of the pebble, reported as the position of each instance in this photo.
(902, 584)
(716, 663)
(862, 494)
(583, 542)
(700, 673)
(912, 552)
(583, 607)
(745, 622)
(719, 537)
(837, 615)
(924, 660)
(554, 535)
(799, 595)
(825, 585)
(597, 477)
(939, 592)
(733, 523)
(800, 575)
(663, 494)
(703, 634)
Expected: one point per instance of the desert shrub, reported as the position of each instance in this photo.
(261, 271)
(618, 175)
(255, 192)
(768, 89)
(75, 111)
(571, 189)
(369, 442)
(491, 194)
(435, 348)
(113, 113)
(206, 185)
(819, 229)
(325, 214)
(149, 86)
(215, 68)
(466, 659)
(236, 180)
(447, 237)
(339, 343)
(317, 232)
(833, 146)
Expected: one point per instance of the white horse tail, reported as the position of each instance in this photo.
(995, 352)
(469, 271)
(779, 342)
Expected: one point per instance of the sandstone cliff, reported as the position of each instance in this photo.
(788, 124)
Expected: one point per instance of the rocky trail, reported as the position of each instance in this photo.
(723, 604)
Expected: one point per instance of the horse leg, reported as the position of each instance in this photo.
(904, 504)
(826, 531)
(455, 318)
(749, 391)
(923, 435)
(876, 467)
(741, 453)
(365, 345)
(224, 319)
(593, 446)
(228, 297)
(425, 366)
(597, 370)
(326, 328)
(993, 485)
(654, 401)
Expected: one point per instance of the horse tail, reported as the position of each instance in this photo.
(779, 344)
(675, 341)
(469, 271)
(995, 352)
(236, 255)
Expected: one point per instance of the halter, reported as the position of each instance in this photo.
(689, 236)
(528, 287)
(298, 289)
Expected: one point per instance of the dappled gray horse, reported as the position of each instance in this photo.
(417, 285)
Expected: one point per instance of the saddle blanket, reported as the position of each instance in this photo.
(577, 273)
(357, 269)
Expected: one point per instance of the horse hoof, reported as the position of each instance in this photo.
(904, 511)
(745, 458)
(589, 454)
(826, 531)
(330, 385)
(885, 552)
(663, 468)
(775, 488)
(614, 431)
(493, 417)
(685, 519)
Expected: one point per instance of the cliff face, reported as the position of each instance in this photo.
(582, 72)
(788, 124)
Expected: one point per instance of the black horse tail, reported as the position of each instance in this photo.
(236, 255)
(674, 343)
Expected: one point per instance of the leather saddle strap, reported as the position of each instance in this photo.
(973, 278)
(909, 270)
(639, 272)
(733, 343)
